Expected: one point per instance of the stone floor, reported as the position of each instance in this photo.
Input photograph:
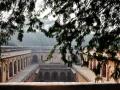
(85, 72)
(24, 73)
(89, 75)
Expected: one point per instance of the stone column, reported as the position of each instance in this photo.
(13, 68)
(16, 66)
(24, 63)
(108, 72)
(20, 64)
(27, 61)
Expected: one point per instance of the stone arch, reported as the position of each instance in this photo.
(47, 76)
(18, 65)
(21, 64)
(104, 70)
(24, 62)
(35, 59)
(62, 76)
(41, 76)
(15, 67)
(41, 57)
(10, 69)
(69, 76)
(54, 76)
(0, 74)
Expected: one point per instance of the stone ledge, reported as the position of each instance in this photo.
(57, 86)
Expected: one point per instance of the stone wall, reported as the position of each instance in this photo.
(12, 63)
(58, 86)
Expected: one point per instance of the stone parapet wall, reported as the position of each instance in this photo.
(58, 86)
(15, 53)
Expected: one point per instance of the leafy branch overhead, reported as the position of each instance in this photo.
(15, 13)
(75, 20)
(80, 18)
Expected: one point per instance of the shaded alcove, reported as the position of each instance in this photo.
(54, 76)
(47, 76)
(21, 64)
(69, 76)
(15, 67)
(62, 76)
(10, 70)
(6, 72)
(18, 65)
(35, 59)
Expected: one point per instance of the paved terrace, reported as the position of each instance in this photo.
(85, 72)
(88, 75)
(21, 76)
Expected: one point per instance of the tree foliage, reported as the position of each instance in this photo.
(75, 20)
(13, 17)
(80, 18)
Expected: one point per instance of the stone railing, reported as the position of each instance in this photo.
(15, 53)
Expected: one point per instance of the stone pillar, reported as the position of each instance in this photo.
(17, 66)
(29, 61)
(21, 64)
(24, 63)
(13, 68)
(108, 72)
(8, 71)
